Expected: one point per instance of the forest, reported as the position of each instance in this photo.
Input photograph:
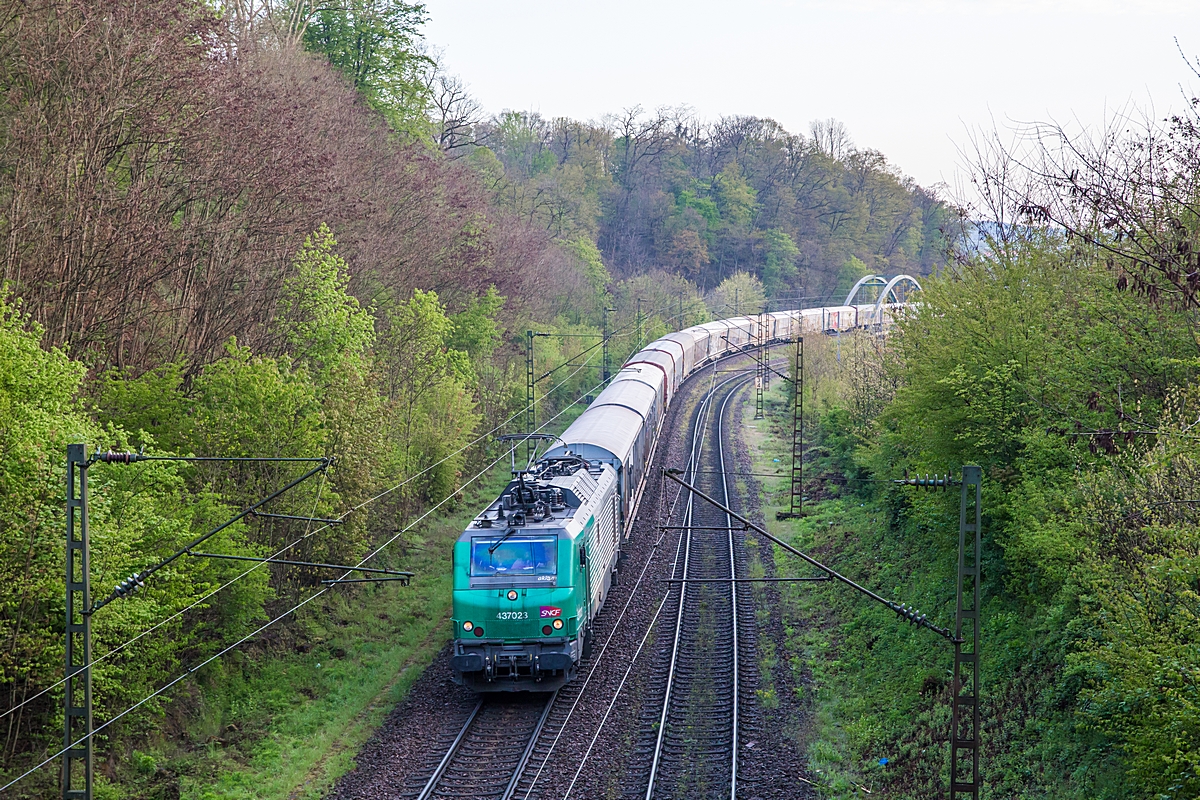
(281, 229)
(1058, 350)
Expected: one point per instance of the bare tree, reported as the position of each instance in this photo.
(1130, 191)
(831, 138)
(283, 22)
(456, 113)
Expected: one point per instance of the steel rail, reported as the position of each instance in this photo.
(513, 782)
(685, 542)
(732, 588)
(620, 618)
(545, 760)
(698, 439)
(432, 783)
(456, 747)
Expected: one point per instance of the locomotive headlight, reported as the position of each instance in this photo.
(558, 624)
(468, 625)
(512, 594)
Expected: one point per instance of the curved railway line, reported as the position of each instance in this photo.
(659, 709)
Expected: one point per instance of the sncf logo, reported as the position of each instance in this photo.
(551, 611)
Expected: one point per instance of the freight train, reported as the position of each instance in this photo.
(533, 569)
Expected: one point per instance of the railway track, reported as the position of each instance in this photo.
(491, 749)
(600, 735)
(604, 704)
(680, 719)
(696, 744)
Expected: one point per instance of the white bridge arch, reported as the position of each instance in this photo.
(887, 287)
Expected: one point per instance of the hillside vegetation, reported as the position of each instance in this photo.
(1062, 355)
(280, 230)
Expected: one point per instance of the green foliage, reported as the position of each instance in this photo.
(734, 196)
(137, 516)
(430, 413)
(703, 200)
(323, 324)
(38, 417)
(251, 405)
(392, 400)
(1076, 399)
(489, 168)
(669, 303)
(586, 256)
(706, 207)
(374, 44)
(848, 275)
(476, 331)
(740, 294)
(589, 257)
(1139, 667)
(553, 174)
(523, 144)
(779, 268)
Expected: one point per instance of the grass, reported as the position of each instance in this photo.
(286, 721)
(867, 675)
(285, 718)
(308, 714)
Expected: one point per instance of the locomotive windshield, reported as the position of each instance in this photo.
(516, 556)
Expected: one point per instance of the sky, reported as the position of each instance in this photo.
(910, 78)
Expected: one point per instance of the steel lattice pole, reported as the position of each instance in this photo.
(964, 733)
(77, 702)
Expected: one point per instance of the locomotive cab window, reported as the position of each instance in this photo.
(532, 557)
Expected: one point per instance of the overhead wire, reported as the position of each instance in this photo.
(621, 332)
(290, 611)
(282, 550)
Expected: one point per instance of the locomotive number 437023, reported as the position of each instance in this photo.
(512, 615)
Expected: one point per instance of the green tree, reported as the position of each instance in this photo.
(430, 413)
(374, 43)
(1076, 398)
(779, 268)
(139, 513)
(738, 295)
(476, 331)
(847, 276)
(587, 258)
(321, 322)
(735, 197)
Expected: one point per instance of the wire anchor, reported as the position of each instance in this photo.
(931, 482)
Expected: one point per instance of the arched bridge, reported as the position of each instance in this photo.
(891, 290)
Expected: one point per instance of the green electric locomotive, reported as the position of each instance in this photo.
(530, 574)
